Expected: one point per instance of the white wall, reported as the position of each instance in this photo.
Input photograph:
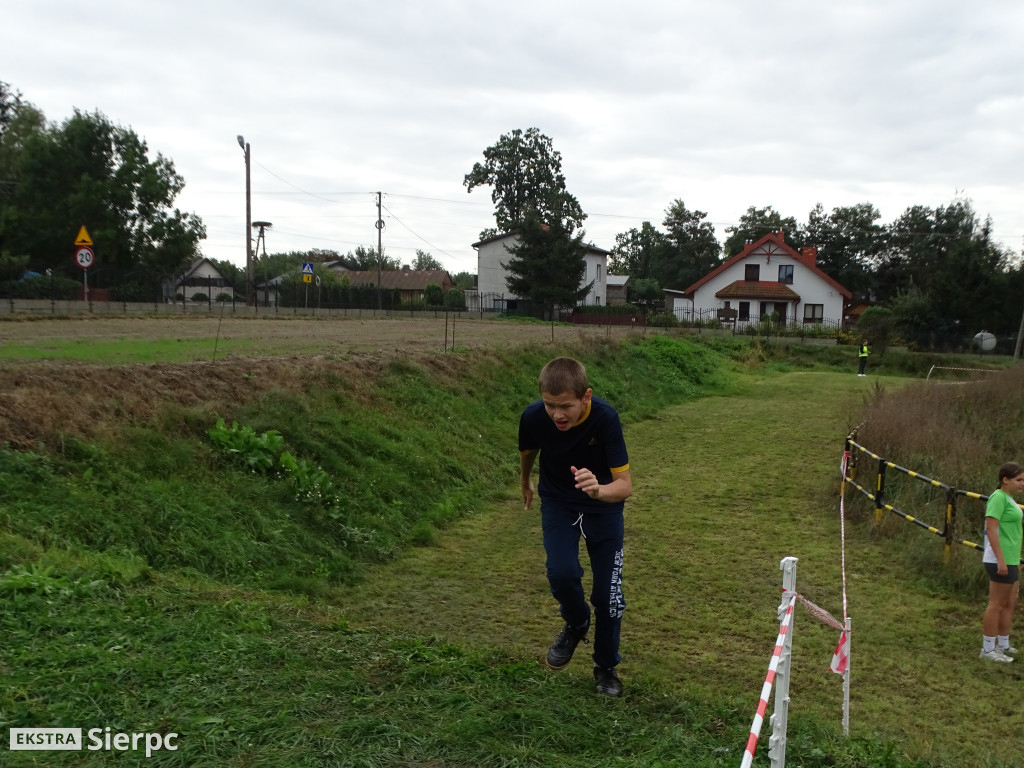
(597, 270)
(491, 276)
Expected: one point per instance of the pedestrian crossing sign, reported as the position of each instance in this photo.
(307, 268)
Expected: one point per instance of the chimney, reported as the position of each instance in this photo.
(810, 254)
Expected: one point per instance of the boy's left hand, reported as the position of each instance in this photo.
(587, 482)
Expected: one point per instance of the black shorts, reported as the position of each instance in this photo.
(1012, 573)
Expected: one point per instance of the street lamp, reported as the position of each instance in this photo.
(249, 276)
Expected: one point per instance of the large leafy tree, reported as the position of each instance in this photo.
(547, 265)
(464, 280)
(637, 251)
(946, 256)
(755, 224)
(18, 121)
(694, 248)
(425, 261)
(364, 259)
(848, 240)
(524, 171)
(90, 172)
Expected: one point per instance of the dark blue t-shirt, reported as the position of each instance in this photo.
(596, 443)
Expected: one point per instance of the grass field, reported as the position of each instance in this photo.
(187, 339)
(432, 658)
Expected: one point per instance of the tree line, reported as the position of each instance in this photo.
(936, 269)
(55, 177)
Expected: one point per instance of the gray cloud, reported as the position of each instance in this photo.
(726, 105)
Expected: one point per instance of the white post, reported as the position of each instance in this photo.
(779, 718)
(846, 681)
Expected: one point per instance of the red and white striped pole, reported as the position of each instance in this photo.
(755, 728)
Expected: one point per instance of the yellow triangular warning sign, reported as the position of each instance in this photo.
(83, 237)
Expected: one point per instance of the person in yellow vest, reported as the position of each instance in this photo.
(863, 355)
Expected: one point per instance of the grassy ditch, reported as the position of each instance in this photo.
(152, 581)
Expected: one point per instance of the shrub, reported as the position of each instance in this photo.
(224, 298)
(455, 299)
(44, 287)
(200, 298)
(878, 326)
(433, 295)
(663, 320)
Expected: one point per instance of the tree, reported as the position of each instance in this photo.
(547, 265)
(848, 239)
(694, 248)
(644, 291)
(464, 280)
(524, 172)
(18, 121)
(637, 251)
(425, 262)
(947, 255)
(755, 224)
(91, 172)
(364, 259)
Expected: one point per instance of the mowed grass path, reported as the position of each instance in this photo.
(724, 488)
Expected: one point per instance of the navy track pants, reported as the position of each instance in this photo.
(603, 535)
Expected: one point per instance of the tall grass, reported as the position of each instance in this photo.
(956, 433)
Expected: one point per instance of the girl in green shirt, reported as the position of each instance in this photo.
(1002, 561)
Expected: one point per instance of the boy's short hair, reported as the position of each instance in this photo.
(1009, 470)
(563, 374)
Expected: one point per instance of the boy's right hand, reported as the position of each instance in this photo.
(528, 490)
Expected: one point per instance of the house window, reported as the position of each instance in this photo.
(744, 310)
(598, 272)
(752, 273)
(786, 274)
(814, 313)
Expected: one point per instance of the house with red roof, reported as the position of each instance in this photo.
(767, 279)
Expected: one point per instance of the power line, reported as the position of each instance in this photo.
(416, 234)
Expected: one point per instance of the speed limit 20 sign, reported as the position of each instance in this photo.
(84, 256)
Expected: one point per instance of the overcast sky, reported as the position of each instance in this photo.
(724, 104)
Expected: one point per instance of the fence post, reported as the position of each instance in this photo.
(880, 492)
(950, 516)
(846, 679)
(780, 717)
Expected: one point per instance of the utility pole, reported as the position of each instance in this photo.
(250, 292)
(380, 249)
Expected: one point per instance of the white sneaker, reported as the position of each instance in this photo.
(1009, 649)
(994, 655)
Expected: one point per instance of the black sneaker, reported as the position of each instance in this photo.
(560, 652)
(608, 683)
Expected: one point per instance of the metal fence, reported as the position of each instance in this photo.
(876, 491)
